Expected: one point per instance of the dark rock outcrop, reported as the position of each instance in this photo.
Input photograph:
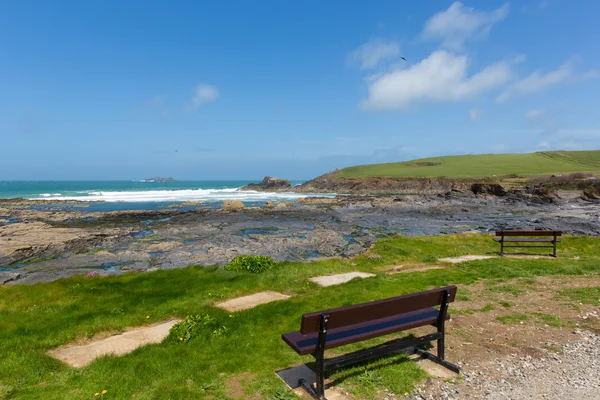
(477, 188)
(493, 189)
(496, 190)
(270, 184)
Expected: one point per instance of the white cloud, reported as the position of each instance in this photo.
(544, 145)
(204, 94)
(370, 54)
(440, 77)
(459, 23)
(532, 114)
(474, 114)
(538, 81)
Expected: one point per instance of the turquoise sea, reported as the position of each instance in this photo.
(123, 195)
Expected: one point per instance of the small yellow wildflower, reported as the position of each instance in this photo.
(180, 339)
(230, 315)
(96, 394)
(104, 391)
(147, 316)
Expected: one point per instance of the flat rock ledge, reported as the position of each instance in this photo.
(81, 355)
(8, 276)
(251, 301)
(330, 280)
(457, 260)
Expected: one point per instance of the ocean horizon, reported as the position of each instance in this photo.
(142, 191)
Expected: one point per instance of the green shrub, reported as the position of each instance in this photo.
(251, 263)
(195, 325)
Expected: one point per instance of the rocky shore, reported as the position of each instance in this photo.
(39, 246)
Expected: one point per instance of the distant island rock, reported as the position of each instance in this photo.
(159, 179)
(270, 184)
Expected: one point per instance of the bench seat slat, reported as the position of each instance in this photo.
(306, 344)
(528, 233)
(375, 310)
(524, 240)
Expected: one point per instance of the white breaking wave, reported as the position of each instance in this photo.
(206, 195)
(50, 194)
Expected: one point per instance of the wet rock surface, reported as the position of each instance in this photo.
(47, 245)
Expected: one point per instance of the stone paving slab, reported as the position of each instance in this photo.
(81, 355)
(330, 280)
(251, 301)
(456, 260)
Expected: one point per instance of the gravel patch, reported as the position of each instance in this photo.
(571, 373)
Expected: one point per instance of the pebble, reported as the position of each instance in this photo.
(573, 374)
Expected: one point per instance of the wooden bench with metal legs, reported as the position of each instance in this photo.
(336, 327)
(527, 237)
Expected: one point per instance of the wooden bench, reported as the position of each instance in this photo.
(336, 327)
(509, 237)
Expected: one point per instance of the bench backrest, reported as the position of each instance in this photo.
(528, 233)
(365, 312)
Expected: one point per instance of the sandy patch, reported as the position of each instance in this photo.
(331, 280)
(456, 260)
(126, 342)
(401, 269)
(251, 301)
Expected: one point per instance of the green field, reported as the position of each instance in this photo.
(239, 357)
(483, 165)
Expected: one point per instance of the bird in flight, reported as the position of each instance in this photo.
(403, 59)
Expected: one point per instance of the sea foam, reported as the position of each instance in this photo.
(207, 195)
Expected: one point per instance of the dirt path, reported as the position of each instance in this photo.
(521, 340)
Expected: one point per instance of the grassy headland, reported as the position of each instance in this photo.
(239, 360)
(482, 165)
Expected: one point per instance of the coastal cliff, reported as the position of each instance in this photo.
(333, 183)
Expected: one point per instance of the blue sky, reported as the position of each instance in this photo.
(238, 90)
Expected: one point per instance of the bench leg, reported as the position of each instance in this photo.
(441, 324)
(437, 360)
(440, 348)
(502, 247)
(319, 355)
(554, 243)
(320, 377)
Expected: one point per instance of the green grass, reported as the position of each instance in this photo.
(34, 319)
(470, 311)
(589, 295)
(505, 304)
(513, 319)
(480, 165)
(550, 320)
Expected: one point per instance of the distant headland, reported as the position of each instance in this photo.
(159, 179)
